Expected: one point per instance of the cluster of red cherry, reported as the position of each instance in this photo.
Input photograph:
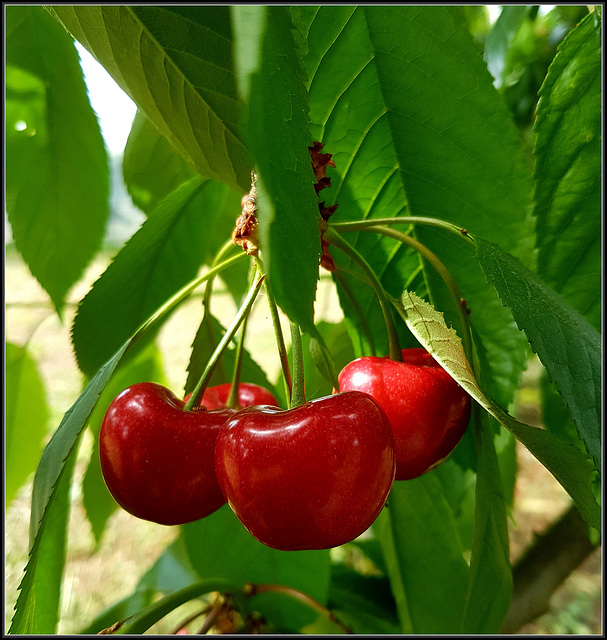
(311, 477)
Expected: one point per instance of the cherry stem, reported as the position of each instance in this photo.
(360, 225)
(280, 341)
(442, 271)
(233, 400)
(335, 239)
(208, 291)
(244, 310)
(298, 391)
(252, 590)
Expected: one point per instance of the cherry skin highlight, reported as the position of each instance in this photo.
(312, 477)
(428, 410)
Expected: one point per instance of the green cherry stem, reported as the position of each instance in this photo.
(361, 225)
(280, 341)
(334, 238)
(223, 343)
(233, 398)
(442, 271)
(298, 392)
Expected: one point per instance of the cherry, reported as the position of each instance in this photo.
(312, 477)
(249, 394)
(428, 410)
(157, 459)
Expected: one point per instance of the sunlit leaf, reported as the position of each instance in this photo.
(567, 345)
(26, 417)
(57, 175)
(175, 62)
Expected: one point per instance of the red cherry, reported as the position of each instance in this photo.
(249, 394)
(428, 410)
(312, 477)
(157, 459)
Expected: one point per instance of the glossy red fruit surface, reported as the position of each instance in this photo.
(249, 394)
(429, 412)
(312, 477)
(157, 459)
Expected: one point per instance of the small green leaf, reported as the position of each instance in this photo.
(423, 556)
(569, 172)
(567, 345)
(57, 174)
(26, 417)
(568, 465)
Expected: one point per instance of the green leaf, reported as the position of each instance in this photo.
(26, 417)
(423, 555)
(490, 577)
(568, 465)
(36, 610)
(151, 167)
(363, 603)
(245, 559)
(165, 253)
(499, 40)
(568, 172)
(276, 126)
(567, 345)
(175, 62)
(57, 175)
(402, 99)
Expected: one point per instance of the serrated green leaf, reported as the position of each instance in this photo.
(37, 608)
(151, 167)
(165, 253)
(175, 62)
(568, 465)
(423, 556)
(568, 170)
(245, 559)
(276, 126)
(26, 417)
(567, 345)
(57, 174)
